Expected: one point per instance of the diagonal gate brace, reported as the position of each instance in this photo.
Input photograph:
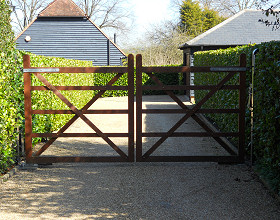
(194, 116)
(189, 114)
(75, 117)
(80, 114)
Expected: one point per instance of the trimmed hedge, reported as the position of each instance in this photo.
(47, 100)
(10, 90)
(266, 101)
(166, 79)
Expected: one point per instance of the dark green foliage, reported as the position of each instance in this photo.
(10, 90)
(195, 20)
(166, 79)
(47, 100)
(266, 101)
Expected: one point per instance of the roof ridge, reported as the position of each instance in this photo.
(47, 11)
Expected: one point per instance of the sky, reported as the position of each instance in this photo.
(147, 13)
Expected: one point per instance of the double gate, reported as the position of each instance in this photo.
(141, 156)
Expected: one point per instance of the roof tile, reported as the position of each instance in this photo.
(62, 8)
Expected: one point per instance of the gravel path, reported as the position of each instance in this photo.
(136, 190)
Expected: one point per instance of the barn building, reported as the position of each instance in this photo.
(63, 29)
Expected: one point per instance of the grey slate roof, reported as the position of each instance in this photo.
(241, 29)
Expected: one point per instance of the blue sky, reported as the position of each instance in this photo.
(147, 13)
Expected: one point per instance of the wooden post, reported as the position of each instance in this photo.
(27, 109)
(108, 52)
(138, 107)
(186, 75)
(130, 108)
(242, 108)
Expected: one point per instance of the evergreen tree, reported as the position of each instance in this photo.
(191, 17)
(194, 20)
(210, 19)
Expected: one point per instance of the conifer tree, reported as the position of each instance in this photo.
(194, 20)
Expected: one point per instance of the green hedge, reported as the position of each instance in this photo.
(266, 101)
(167, 79)
(47, 100)
(10, 90)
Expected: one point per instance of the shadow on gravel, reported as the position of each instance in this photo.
(137, 191)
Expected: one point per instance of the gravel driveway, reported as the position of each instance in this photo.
(136, 190)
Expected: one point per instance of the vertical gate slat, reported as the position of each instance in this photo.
(27, 109)
(138, 107)
(130, 108)
(242, 107)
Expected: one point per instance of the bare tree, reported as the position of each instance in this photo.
(228, 7)
(274, 12)
(26, 10)
(234, 6)
(161, 45)
(107, 13)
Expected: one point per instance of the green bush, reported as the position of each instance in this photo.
(43, 100)
(266, 101)
(10, 90)
(166, 79)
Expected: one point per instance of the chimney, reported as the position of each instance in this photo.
(115, 38)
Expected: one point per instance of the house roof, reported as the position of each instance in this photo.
(62, 8)
(65, 8)
(241, 29)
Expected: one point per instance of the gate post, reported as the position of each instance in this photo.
(27, 109)
(130, 108)
(186, 75)
(138, 108)
(242, 109)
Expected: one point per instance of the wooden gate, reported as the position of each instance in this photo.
(193, 112)
(190, 112)
(35, 157)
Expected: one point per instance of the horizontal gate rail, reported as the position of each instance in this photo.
(178, 111)
(182, 69)
(35, 157)
(236, 155)
(179, 87)
(88, 112)
(38, 88)
(78, 135)
(75, 70)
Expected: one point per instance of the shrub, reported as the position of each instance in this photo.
(10, 90)
(266, 101)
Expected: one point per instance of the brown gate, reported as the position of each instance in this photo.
(35, 157)
(234, 156)
(193, 112)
